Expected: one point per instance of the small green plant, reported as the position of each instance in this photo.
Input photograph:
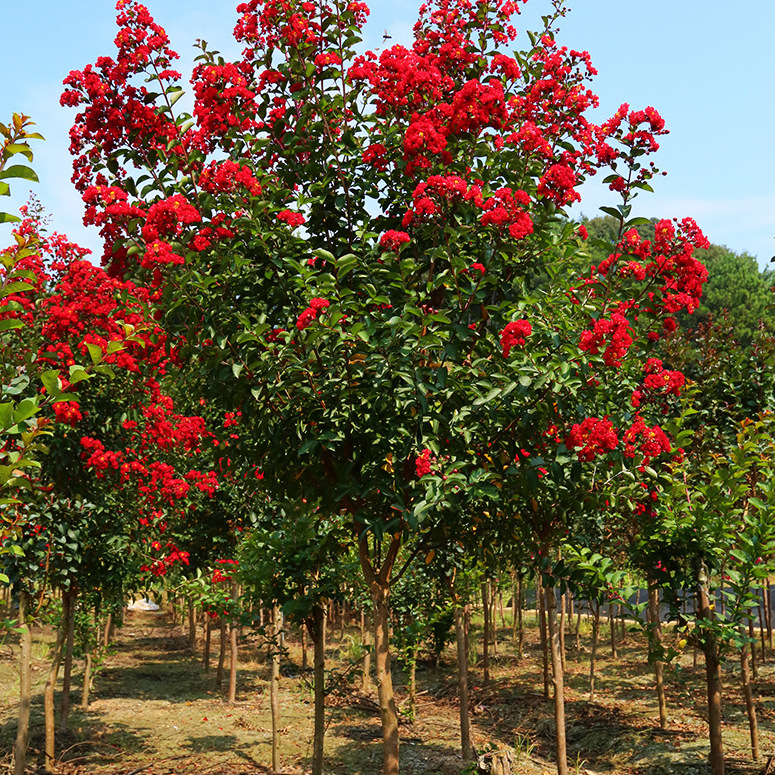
(523, 746)
(578, 764)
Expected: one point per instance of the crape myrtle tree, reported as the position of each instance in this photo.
(346, 244)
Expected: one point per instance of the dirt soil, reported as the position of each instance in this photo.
(155, 711)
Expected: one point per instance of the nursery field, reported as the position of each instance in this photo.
(155, 711)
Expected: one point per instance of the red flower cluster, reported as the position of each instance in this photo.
(659, 383)
(423, 464)
(613, 334)
(311, 313)
(224, 571)
(650, 442)
(291, 218)
(393, 240)
(515, 334)
(591, 438)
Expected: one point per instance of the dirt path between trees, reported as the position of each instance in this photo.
(156, 712)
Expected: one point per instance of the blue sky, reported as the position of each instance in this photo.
(708, 67)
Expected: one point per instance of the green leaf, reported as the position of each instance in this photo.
(95, 352)
(51, 382)
(20, 171)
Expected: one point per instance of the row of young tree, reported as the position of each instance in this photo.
(342, 310)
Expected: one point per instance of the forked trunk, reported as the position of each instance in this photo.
(462, 684)
(25, 686)
(318, 635)
(274, 687)
(558, 680)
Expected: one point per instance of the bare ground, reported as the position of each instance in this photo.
(154, 711)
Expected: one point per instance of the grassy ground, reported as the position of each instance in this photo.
(156, 712)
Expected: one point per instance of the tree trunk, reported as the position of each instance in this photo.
(486, 634)
(208, 625)
(221, 652)
(274, 687)
(318, 635)
(593, 650)
(86, 680)
(387, 702)
(514, 606)
(378, 582)
(25, 686)
(713, 677)
(558, 680)
(561, 631)
(304, 657)
(541, 602)
(191, 626)
(462, 684)
(108, 630)
(751, 635)
(762, 633)
(366, 642)
(745, 676)
(68, 613)
(656, 637)
(233, 630)
(768, 611)
(520, 628)
(48, 697)
(612, 624)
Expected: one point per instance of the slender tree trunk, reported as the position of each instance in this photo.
(208, 626)
(108, 630)
(68, 612)
(561, 631)
(768, 611)
(486, 634)
(745, 677)
(593, 649)
(514, 607)
(25, 686)
(462, 684)
(520, 624)
(612, 625)
(318, 635)
(713, 677)
(571, 611)
(304, 657)
(87, 668)
(544, 644)
(751, 635)
(191, 626)
(274, 687)
(366, 640)
(577, 634)
(233, 631)
(221, 651)
(656, 636)
(558, 679)
(48, 697)
(762, 633)
(467, 630)
(493, 618)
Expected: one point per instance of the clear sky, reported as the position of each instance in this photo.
(707, 66)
